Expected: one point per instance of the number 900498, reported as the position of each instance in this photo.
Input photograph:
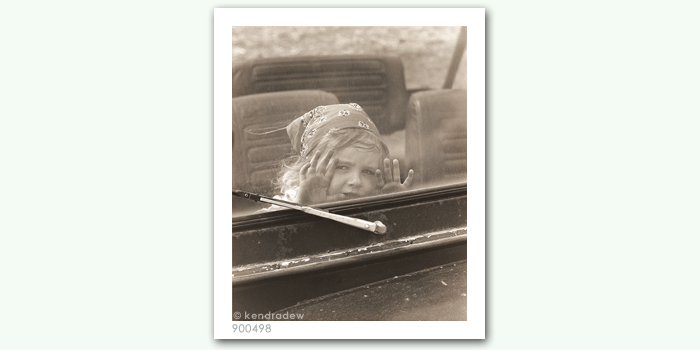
(252, 328)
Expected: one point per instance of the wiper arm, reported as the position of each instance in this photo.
(376, 227)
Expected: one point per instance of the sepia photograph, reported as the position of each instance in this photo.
(349, 174)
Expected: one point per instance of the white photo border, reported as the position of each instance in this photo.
(474, 19)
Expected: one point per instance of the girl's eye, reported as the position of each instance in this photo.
(341, 167)
(368, 172)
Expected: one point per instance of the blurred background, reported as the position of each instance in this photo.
(425, 51)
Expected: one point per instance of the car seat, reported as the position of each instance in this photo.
(260, 140)
(375, 82)
(436, 136)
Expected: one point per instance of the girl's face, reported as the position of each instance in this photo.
(354, 173)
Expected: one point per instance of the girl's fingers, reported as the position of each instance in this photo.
(323, 162)
(387, 171)
(330, 168)
(397, 171)
(380, 179)
(409, 179)
(303, 170)
(314, 161)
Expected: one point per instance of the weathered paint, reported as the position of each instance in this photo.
(302, 235)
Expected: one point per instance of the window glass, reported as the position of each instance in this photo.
(424, 127)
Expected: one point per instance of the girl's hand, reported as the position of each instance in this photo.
(314, 179)
(389, 182)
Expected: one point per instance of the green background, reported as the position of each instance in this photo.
(592, 186)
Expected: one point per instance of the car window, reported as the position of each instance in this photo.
(430, 134)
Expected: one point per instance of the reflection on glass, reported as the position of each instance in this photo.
(369, 134)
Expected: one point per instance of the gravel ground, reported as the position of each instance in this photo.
(425, 51)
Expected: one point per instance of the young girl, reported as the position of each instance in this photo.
(339, 157)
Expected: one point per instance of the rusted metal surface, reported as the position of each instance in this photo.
(285, 258)
(270, 237)
(435, 294)
(295, 285)
(256, 272)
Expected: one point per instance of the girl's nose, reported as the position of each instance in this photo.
(354, 180)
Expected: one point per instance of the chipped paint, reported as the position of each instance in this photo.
(428, 235)
(373, 248)
(244, 268)
(332, 254)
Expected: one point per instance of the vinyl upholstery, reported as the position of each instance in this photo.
(375, 82)
(436, 136)
(256, 156)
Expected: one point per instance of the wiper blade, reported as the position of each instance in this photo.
(376, 227)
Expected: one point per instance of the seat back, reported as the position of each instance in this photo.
(257, 155)
(436, 136)
(375, 82)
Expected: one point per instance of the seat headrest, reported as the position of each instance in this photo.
(257, 147)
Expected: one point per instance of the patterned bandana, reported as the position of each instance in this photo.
(306, 131)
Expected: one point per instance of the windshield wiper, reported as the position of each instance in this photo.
(376, 227)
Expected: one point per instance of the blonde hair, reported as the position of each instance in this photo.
(339, 139)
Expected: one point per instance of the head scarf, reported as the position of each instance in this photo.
(307, 131)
